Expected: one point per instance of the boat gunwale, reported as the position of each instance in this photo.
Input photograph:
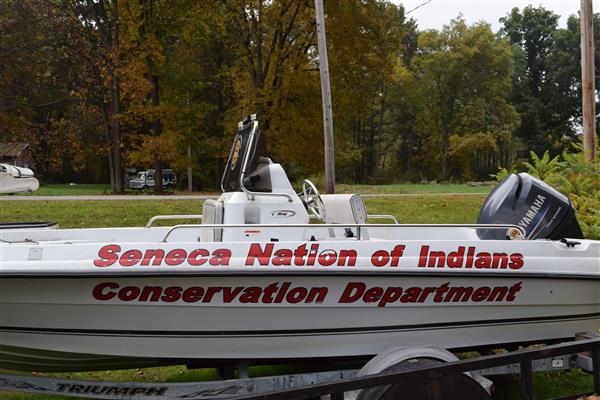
(263, 273)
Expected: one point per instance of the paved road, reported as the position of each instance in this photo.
(196, 197)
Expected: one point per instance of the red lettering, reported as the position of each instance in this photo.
(347, 258)
(108, 255)
(296, 295)
(455, 258)
(130, 258)
(154, 291)
(481, 294)
(220, 257)
(498, 293)
(438, 256)
(154, 255)
(192, 295)
(426, 292)
(372, 295)
(316, 295)
(499, 260)
(396, 254)
(411, 295)
(327, 257)
(353, 292)
(230, 294)
(171, 294)
(175, 257)
(512, 292)
(483, 260)
(98, 291)
(282, 257)
(251, 295)
(129, 293)
(390, 295)
(516, 261)
(257, 253)
(211, 291)
(197, 257)
(423, 256)
(380, 258)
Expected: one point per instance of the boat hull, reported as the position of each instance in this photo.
(115, 322)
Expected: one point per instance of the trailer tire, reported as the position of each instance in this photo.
(459, 386)
(455, 387)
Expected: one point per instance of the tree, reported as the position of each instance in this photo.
(43, 101)
(96, 24)
(464, 79)
(365, 42)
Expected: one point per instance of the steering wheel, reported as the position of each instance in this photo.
(312, 199)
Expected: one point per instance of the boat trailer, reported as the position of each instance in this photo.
(407, 374)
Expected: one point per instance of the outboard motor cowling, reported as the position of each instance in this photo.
(530, 203)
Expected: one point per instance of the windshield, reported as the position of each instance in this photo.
(248, 147)
(140, 175)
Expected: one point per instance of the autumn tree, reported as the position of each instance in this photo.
(464, 79)
(546, 86)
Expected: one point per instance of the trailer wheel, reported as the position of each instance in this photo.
(457, 387)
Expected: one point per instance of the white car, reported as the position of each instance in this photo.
(17, 179)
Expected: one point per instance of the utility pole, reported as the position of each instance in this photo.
(588, 90)
(326, 96)
(189, 168)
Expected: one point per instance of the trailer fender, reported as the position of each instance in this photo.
(401, 358)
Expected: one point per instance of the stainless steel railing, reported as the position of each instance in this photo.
(358, 227)
(167, 217)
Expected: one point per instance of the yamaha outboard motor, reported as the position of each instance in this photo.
(530, 203)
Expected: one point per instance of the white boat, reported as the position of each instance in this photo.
(255, 281)
(15, 179)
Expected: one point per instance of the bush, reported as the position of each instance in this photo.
(502, 174)
(580, 181)
(573, 176)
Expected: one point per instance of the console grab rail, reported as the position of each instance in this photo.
(357, 226)
(384, 216)
(165, 217)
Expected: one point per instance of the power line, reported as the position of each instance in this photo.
(417, 7)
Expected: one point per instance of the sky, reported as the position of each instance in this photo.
(436, 13)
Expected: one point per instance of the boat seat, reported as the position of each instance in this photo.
(212, 213)
(344, 209)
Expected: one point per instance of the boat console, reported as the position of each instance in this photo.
(255, 191)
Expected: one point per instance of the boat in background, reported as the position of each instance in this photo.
(256, 281)
(17, 179)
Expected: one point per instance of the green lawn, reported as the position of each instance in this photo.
(412, 188)
(99, 213)
(425, 209)
(65, 189)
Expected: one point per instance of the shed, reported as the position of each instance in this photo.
(17, 154)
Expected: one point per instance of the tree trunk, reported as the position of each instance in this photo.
(107, 126)
(157, 128)
(115, 139)
(115, 105)
(445, 145)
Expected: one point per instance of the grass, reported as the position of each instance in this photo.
(94, 214)
(99, 213)
(424, 209)
(546, 385)
(65, 189)
(412, 188)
